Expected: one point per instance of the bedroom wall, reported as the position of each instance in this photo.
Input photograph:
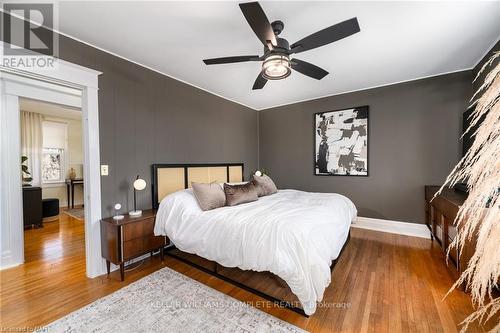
(414, 131)
(146, 118)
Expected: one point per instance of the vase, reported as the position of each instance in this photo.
(72, 174)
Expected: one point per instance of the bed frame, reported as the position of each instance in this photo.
(169, 178)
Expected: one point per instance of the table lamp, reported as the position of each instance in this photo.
(139, 185)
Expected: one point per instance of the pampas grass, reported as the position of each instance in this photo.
(480, 214)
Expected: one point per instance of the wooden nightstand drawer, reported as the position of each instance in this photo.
(137, 246)
(137, 230)
(133, 248)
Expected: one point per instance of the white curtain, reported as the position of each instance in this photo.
(32, 144)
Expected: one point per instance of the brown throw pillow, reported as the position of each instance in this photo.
(238, 194)
(209, 196)
(264, 185)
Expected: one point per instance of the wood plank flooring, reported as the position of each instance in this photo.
(382, 283)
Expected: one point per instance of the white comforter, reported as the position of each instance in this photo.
(292, 234)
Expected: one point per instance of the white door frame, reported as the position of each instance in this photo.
(69, 84)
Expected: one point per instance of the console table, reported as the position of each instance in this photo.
(70, 185)
(440, 215)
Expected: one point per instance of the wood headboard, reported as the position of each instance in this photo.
(169, 178)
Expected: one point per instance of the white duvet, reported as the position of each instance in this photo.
(292, 234)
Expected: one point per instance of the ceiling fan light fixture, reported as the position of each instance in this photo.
(276, 67)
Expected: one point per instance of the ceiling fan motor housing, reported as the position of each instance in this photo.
(278, 27)
(282, 46)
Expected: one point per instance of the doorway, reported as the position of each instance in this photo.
(70, 85)
(52, 159)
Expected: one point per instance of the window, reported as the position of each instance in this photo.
(54, 151)
(52, 164)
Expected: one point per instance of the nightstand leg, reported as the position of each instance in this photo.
(122, 271)
(108, 266)
(162, 255)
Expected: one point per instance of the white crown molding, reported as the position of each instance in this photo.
(367, 88)
(393, 227)
(130, 60)
(268, 107)
(273, 106)
(240, 103)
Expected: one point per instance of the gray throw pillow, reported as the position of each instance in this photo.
(209, 196)
(265, 185)
(238, 194)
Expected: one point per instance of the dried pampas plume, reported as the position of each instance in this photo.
(480, 213)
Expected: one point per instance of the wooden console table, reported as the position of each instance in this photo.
(70, 185)
(440, 215)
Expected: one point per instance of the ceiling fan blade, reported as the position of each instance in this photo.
(259, 23)
(308, 69)
(326, 36)
(228, 60)
(260, 82)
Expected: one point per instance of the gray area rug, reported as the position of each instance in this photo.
(77, 213)
(167, 301)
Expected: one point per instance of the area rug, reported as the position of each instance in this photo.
(77, 213)
(167, 301)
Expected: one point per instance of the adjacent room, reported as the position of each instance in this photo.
(52, 163)
(271, 166)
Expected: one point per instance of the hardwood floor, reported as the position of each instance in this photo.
(382, 283)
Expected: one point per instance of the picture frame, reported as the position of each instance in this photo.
(341, 142)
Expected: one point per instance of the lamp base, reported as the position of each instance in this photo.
(135, 213)
(118, 217)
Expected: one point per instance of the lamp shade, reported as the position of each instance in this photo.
(139, 184)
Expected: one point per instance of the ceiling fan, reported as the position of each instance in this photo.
(276, 62)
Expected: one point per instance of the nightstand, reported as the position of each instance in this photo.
(129, 238)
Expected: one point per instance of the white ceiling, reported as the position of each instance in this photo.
(399, 41)
(49, 109)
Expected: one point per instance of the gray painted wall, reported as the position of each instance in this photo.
(414, 131)
(146, 118)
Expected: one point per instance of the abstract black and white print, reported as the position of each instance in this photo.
(341, 142)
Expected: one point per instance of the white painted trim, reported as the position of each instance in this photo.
(11, 204)
(65, 83)
(393, 227)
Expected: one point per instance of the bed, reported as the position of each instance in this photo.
(281, 247)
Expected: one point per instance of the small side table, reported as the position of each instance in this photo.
(70, 185)
(129, 238)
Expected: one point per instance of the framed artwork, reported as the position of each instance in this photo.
(341, 142)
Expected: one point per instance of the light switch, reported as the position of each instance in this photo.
(104, 170)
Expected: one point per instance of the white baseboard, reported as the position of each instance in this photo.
(394, 227)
